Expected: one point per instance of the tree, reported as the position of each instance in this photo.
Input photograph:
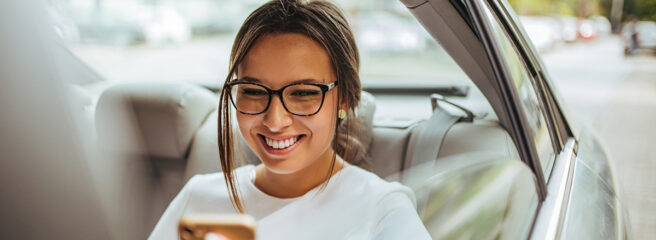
(643, 9)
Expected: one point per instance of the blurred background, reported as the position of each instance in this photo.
(600, 54)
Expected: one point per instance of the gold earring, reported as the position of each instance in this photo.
(341, 114)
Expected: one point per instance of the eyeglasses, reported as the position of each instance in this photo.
(300, 99)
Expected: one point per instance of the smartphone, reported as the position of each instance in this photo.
(217, 226)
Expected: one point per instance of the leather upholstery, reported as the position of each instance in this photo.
(159, 119)
(162, 134)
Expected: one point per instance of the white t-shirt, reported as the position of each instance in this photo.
(356, 204)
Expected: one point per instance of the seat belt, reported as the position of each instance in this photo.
(427, 137)
(424, 145)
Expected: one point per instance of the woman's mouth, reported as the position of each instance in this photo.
(280, 145)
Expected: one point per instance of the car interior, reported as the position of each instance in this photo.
(154, 136)
(131, 144)
(160, 135)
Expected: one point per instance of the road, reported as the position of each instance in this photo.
(616, 98)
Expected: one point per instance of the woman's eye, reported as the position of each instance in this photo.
(305, 93)
(254, 92)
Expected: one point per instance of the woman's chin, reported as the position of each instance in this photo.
(279, 167)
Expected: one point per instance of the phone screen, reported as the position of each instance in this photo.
(217, 227)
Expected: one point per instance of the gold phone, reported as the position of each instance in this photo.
(228, 226)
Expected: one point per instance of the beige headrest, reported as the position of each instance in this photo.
(365, 115)
(152, 119)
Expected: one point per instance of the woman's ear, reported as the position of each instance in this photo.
(344, 106)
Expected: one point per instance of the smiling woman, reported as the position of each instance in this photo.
(282, 58)
(293, 80)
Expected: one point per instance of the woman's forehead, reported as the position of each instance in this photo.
(280, 59)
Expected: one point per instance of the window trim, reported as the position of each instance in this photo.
(560, 124)
(509, 95)
(529, 59)
(520, 44)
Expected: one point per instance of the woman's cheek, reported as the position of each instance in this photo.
(246, 124)
(323, 129)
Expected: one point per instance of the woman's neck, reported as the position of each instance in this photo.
(298, 183)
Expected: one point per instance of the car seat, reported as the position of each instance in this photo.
(145, 130)
(163, 134)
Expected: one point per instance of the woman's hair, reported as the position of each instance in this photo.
(324, 23)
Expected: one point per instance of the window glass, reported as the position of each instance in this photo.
(394, 45)
(190, 40)
(532, 108)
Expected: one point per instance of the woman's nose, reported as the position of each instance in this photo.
(276, 118)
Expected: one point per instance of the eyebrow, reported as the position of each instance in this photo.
(255, 80)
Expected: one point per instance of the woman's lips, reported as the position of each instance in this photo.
(280, 145)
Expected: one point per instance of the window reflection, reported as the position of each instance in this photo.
(533, 110)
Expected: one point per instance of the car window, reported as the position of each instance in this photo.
(531, 107)
(481, 198)
(394, 45)
(190, 40)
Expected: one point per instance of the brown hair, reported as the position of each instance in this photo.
(324, 23)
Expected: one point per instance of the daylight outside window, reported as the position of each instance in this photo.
(190, 40)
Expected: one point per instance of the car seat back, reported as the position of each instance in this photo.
(159, 136)
(163, 134)
(408, 151)
(145, 129)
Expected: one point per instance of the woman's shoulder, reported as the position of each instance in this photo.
(362, 182)
(213, 182)
(355, 173)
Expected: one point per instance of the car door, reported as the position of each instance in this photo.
(580, 197)
(473, 194)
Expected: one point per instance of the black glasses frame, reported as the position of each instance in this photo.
(324, 88)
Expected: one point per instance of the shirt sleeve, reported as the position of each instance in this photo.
(167, 226)
(400, 219)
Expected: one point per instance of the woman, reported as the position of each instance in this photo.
(293, 80)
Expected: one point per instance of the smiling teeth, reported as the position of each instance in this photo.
(279, 144)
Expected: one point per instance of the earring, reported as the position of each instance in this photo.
(341, 114)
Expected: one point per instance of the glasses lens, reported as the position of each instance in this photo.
(303, 99)
(249, 98)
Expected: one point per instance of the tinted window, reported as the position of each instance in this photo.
(532, 108)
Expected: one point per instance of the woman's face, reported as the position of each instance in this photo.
(275, 61)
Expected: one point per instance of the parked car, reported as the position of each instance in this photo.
(646, 36)
(125, 23)
(588, 29)
(387, 32)
(544, 32)
(214, 17)
(497, 158)
(602, 24)
(569, 28)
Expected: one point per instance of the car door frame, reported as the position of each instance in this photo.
(519, 122)
(557, 188)
(559, 122)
